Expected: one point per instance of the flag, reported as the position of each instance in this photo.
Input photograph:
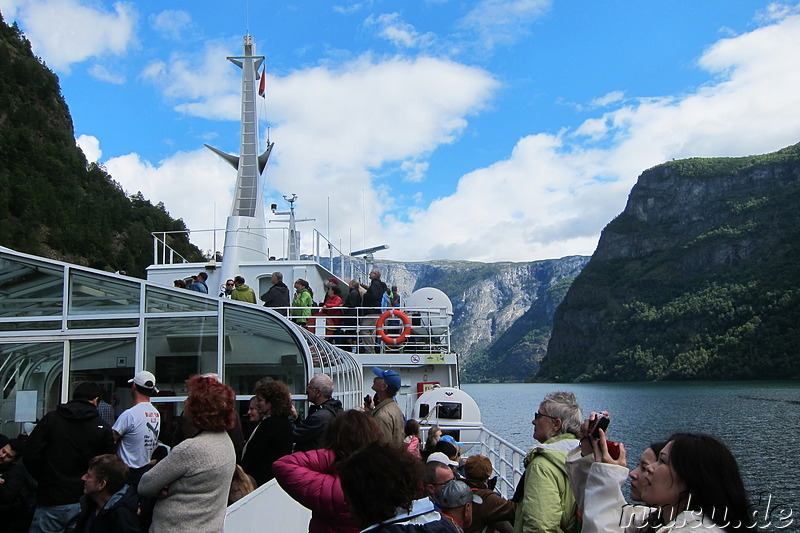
(262, 86)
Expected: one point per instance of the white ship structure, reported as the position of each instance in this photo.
(61, 324)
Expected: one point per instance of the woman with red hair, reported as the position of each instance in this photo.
(192, 482)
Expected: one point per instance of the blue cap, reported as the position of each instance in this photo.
(450, 439)
(391, 377)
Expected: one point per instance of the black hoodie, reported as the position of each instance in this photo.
(58, 451)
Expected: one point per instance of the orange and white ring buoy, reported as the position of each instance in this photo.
(400, 339)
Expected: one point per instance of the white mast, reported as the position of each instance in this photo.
(245, 232)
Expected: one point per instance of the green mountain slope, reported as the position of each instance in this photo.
(698, 278)
(51, 202)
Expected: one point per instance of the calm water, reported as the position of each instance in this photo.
(760, 422)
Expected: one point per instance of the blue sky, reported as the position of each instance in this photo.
(488, 130)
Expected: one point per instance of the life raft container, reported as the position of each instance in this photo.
(385, 337)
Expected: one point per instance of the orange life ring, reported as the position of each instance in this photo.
(400, 339)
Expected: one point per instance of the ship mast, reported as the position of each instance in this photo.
(245, 232)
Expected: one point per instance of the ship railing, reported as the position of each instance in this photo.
(163, 253)
(507, 459)
(356, 333)
(341, 264)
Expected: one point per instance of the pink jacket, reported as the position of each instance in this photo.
(309, 478)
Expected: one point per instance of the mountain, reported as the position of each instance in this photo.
(696, 279)
(502, 312)
(52, 203)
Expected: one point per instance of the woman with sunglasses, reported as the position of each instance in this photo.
(544, 498)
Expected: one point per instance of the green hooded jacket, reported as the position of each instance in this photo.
(548, 505)
(243, 293)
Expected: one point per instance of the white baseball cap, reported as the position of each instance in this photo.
(440, 457)
(145, 379)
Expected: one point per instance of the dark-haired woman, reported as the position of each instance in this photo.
(312, 477)
(302, 302)
(272, 438)
(193, 481)
(693, 486)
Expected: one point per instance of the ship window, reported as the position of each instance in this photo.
(257, 346)
(449, 410)
(93, 294)
(30, 377)
(108, 362)
(172, 301)
(29, 288)
(177, 348)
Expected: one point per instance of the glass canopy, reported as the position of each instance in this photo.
(62, 324)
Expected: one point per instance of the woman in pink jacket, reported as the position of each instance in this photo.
(312, 477)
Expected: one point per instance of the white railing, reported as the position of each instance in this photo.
(356, 337)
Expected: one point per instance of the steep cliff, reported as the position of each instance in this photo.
(501, 311)
(695, 279)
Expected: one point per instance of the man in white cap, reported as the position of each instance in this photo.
(438, 472)
(136, 430)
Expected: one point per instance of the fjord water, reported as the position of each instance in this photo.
(759, 421)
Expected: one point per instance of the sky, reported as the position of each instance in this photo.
(485, 130)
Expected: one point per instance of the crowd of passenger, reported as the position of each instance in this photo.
(343, 319)
(364, 469)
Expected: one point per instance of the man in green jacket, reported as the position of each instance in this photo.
(242, 292)
(546, 503)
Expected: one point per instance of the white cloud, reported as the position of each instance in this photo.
(103, 74)
(567, 191)
(400, 33)
(67, 32)
(502, 22)
(90, 146)
(607, 99)
(198, 201)
(171, 23)
(212, 85)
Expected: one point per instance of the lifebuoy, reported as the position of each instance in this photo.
(400, 339)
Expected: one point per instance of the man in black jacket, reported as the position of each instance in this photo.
(372, 300)
(109, 505)
(309, 434)
(17, 489)
(58, 453)
(277, 295)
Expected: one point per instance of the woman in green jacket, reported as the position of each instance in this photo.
(302, 303)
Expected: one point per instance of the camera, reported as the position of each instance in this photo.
(601, 422)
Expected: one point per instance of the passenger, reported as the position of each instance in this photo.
(411, 431)
(449, 449)
(350, 323)
(180, 284)
(381, 484)
(194, 480)
(544, 497)
(241, 485)
(434, 434)
(227, 289)
(199, 283)
(372, 302)
(694, 485)
(17, 488)
(302, 302)
(439, 469)
(254, 416)
(278, 295)
(394, 297)
(456, 500)
(137, 429)
(57, 455)
(272, 438)
(384, 407)
(309, 434)
(494, 513)
(242, 292)
(108, 504)
(312, 478)
(105, 410)
(332, 309)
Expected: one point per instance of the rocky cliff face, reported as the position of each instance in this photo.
(695, 279)
(491, 301)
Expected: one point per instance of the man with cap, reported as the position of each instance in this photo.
(438, 472)
(383, 406)
(136, 430)
(57, 455)
(456, 499)
(495, 513)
